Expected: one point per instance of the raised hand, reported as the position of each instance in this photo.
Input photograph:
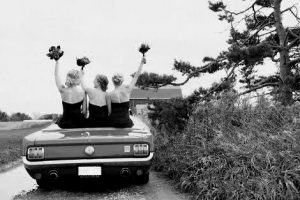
(143, 49)
(81, 62)
(55, 53)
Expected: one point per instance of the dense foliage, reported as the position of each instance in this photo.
(171, 115)
(49, 117)
(19, 117)
(13, 117)
(231, 149)
(4, 116)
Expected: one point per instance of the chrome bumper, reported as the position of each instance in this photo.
(86, 161)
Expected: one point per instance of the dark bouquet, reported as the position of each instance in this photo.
(81, 62)
(144, 48)
(55, 53)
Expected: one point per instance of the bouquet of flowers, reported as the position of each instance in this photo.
(144, 48)
(55, 53)
(81, 62)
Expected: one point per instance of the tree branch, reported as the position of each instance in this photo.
(234, 13)
(295, 14)
(261, 28)
(267, 33)
(293, 62)
(295, 40)
(275, 46)
(268, 79)
(230, 73)
(292, 33)
(177, 84)
(259, 87)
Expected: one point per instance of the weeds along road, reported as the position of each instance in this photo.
(17, 184)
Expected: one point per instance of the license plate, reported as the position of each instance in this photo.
(89, 171)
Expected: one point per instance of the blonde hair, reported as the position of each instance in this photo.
(72, 78)
(118, 79)
(102, 81)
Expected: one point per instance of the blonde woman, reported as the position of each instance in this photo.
(98, 112)
(73, 99)
(118, 100)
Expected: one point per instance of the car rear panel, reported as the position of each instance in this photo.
(117, 150)
(107, 142)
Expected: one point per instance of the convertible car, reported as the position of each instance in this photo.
(54, 153)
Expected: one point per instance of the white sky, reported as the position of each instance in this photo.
(109, 32)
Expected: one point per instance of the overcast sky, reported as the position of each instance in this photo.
(109, 32)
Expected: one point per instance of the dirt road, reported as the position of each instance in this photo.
(17, 184)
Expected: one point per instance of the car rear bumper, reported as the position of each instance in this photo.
(65, 168)
(144, 161)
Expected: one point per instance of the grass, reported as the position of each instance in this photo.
(11, 136)
(234, 150)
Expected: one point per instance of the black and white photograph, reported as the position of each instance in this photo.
(150, 100)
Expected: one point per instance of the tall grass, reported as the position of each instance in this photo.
(11, 136)
(231, 149)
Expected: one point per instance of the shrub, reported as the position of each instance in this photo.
(4, 116)
(19, 117)
(231, 149)
(171, 115)
(53, 117)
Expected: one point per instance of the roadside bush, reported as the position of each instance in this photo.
(170, 116)
(231, 149)
(19, 117)
(4, 116)
(53, 117)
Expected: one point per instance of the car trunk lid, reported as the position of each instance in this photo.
(106, 142)
(90, 135)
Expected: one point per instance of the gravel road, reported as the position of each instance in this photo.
(17, 184)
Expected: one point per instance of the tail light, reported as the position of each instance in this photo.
(140, 149)
(35, 153)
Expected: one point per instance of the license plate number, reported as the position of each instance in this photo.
(89, 171)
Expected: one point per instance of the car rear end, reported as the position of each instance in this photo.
(92, 152)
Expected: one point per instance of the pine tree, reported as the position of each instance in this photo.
(264, 38)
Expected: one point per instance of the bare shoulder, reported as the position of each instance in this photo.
(111, 94)
(89, 90)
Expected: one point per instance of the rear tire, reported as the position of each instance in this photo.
(44, 183)
(143, 179)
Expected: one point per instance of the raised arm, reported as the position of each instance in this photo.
(137, 74)
(59, 84)
(83, 84)
(82, 81)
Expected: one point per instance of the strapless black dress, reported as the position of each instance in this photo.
(72, 116)
(119, 116)
(98, 116)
